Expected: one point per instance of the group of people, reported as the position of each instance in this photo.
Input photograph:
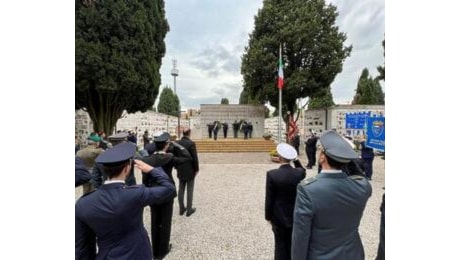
(244, 126)
(318, 217)
(111, 215)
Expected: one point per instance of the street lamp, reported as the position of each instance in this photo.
(175, 73)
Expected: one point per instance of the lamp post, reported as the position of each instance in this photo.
(175, 73)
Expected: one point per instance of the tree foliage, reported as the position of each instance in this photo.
(322, 101)
(169, 102)
(369, 91)
(381, 69)
(313, 51)
(245, 99)
(224, 101)
(118, 50)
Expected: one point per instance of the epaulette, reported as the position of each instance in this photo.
(308, 181)
(356, 177)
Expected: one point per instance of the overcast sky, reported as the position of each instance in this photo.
(207, 37)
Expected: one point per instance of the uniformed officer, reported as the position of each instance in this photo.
(111, 216)
(280, 193)
(161, 214)
(329, 207)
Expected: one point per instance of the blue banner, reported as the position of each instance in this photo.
(356, 120)
(375, 133)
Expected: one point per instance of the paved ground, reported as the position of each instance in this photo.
(229, 222)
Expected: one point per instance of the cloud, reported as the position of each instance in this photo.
(208, 37)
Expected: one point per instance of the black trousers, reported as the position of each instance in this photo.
(189, 184)
(161, 217)
(311, 156)
(283, 237)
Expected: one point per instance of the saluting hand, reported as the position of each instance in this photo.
(142, 166)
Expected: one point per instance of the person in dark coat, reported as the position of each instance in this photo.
(98, 175)
(245, 129)
(82, 175)
(367, 154)
(166, 157)
(210, 127)
(111, 218)
(250, 128)
(225, 129)
(381, 248)
(215, 129)
(296, 142)
(186, 174)
(329, 207)
(280, 193)
(236, 127)
(310, 149)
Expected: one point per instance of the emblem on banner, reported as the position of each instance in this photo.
(378, 128)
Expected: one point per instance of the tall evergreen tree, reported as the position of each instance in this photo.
(313, 51)
(169, 102)
(368, 91)
(224, 101)
(322, 101)
(381, 69)
(118, 50)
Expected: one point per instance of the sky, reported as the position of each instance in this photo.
(207, 38)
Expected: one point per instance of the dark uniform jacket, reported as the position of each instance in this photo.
(82, 175)
(327, 214)
(166, 161)
(114, 214)
(188, 170)
(310, 144)
(280, 194)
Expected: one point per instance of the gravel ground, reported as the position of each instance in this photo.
(229, 222)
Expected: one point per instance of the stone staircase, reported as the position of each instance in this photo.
(231, 145)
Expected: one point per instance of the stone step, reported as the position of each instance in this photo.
(234, 145)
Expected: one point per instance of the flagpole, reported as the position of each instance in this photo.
(279, 115)
(280, 91)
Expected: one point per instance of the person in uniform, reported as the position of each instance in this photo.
(98, 176)
(111, 218)
(225, 129)
(329, 207)
(236, 127)
(310, 149)
(88, 156)
(167, 157)
(215, 129)
(210, 127)
(280, 192)
(82, 175)
(186, 174)
(367, 154)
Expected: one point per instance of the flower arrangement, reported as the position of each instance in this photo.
(274, 156)
(267, 136)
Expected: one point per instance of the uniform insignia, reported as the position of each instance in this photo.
(308, 181)
(356, 177)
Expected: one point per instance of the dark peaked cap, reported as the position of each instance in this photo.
(337, 148)
(161, 137)
(117, 155)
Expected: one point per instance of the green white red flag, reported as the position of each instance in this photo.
(280, 72)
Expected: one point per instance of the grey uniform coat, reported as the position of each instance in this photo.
(327, 214)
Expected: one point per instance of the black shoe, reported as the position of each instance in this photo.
(191, 212)
(163, 256)
(181, 211)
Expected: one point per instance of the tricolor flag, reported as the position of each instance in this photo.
(280, 72)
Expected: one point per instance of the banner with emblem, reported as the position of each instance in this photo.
(375, 133)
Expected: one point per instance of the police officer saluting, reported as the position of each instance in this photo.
(112, 215)
(329, 207)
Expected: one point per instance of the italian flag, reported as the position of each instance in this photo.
(280, 72)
